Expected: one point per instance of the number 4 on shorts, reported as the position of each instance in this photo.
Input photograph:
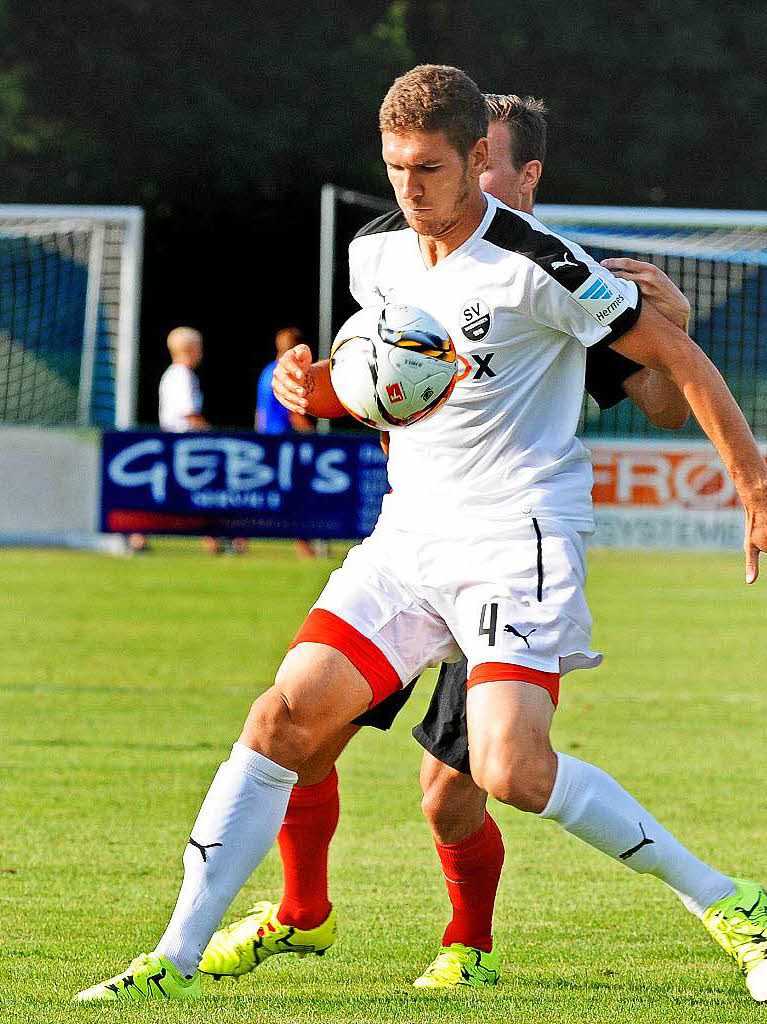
(489, 630)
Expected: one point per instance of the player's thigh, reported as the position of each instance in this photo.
(509, 725)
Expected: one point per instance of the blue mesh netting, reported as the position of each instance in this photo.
(42, 309)
(730, 299)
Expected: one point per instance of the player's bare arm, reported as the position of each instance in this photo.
(658, 397)
(656, 343)
(304, 387)
(653, 392)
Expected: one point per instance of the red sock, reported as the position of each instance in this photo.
(304, 838)
(472, 870)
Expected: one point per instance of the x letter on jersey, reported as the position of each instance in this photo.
(483, 363)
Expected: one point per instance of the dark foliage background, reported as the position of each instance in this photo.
(223, 120)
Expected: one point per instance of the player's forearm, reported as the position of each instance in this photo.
(320, 397)
(725, 425)
(658, 397)
(665, 348)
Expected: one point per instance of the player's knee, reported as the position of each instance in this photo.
(524, 778)
(441, 806)
(452, 804)
(274, 730)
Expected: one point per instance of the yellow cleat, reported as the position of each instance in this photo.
(242, 946)
(458, 965)
(149, 977)
(739, 924)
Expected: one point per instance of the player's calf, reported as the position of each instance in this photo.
(452, 803)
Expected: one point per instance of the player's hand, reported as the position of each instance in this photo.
(289, 378)
(655, 286)
(755, 539)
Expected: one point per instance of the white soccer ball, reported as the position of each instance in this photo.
(392, 365)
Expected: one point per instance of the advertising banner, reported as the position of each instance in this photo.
(241, 484)
(663, 495)
(646, 494)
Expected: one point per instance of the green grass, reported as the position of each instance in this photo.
(123, 683)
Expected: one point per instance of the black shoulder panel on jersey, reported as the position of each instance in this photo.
(606, 371)
(394, 221)
(509, 231)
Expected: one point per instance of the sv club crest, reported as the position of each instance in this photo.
(475, 319)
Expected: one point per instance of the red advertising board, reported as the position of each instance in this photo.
(658, 494)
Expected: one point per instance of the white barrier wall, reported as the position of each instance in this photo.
(646, 494)
(49, 485)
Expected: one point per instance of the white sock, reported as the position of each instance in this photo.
(238, 822)
(591, 805)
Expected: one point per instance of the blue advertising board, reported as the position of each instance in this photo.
(241, 484)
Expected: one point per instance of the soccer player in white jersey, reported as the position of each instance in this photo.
(467, 841)
(482, 531)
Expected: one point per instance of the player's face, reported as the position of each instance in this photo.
(501, 178)
(432, 182)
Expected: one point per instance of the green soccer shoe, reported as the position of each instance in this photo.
(458, 965)
(149, 977)
(739, 924)
(243, 945)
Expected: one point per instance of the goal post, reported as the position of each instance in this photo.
(70, 280)
(718, 258)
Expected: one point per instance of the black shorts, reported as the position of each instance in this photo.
(382, 715)
(443, 729)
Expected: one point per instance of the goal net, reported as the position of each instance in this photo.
(718, 258)
(69, 303)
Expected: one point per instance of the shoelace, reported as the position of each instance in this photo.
(444, 967)
(140, 961)
(261, 910)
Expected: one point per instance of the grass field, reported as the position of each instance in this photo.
(124, 682)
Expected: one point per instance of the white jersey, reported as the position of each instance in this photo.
(180, 396)
(522, 305)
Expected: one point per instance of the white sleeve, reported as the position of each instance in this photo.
(600, 308)
(554, 282)
(361, 283)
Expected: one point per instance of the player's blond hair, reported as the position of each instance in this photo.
(526, 118)
(182, 338)
(436, 98)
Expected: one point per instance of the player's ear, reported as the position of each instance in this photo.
(531, 175)
(478, 157)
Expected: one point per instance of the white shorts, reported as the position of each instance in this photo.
(513, 603)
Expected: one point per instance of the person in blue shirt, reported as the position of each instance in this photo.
(274, 418)
(271, 416)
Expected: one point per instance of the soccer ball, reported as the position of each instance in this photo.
(391, 366)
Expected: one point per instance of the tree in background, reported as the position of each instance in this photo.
(222, 119)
